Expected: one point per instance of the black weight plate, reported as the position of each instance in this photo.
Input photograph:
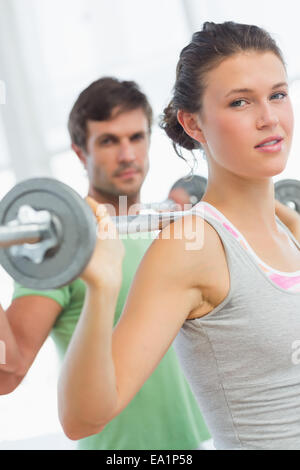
(194, 185)
(288, 191)
(67, 261)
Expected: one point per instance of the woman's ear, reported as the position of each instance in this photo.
(191, 125)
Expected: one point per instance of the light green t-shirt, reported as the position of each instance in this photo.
(164, 413)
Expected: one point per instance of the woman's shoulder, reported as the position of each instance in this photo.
(193, 233)
(191, 247)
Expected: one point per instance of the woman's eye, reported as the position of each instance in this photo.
(279, 96)
(238, 103)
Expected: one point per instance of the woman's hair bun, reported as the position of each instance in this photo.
(169, 123)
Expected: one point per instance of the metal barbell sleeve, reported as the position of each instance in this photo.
(20, 234)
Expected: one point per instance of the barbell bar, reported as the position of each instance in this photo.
(48, 232)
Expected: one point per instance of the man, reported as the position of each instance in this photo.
(110, 126)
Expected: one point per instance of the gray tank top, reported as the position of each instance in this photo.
(243, 359)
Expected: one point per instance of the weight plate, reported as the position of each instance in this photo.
(64, 264)
(194, 185)
(288, 191)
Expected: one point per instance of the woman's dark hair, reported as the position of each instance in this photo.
(98, 101)
(208, 49)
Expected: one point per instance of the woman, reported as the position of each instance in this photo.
(233, 304)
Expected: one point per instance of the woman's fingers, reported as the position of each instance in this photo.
(106, 229)
(106, 262)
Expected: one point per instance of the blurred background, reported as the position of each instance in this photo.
(49, 51)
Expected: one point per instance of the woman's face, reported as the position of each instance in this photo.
(246, 104)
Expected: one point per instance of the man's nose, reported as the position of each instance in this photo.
(126, 152)
(267, 116)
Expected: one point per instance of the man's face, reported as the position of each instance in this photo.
(116, 154)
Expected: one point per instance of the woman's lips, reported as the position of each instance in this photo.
(271, 146)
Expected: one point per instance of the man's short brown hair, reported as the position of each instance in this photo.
(98, 101)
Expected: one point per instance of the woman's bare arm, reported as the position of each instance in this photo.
(103, 370)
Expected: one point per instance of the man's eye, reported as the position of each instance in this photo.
(237, 103)
(137, 137)
(106, 141)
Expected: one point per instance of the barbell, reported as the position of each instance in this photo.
(48, 232)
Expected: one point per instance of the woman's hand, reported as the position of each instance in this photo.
(105, 266)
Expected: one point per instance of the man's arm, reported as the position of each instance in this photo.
(289, 217)
(10, 357)
(23, 329)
